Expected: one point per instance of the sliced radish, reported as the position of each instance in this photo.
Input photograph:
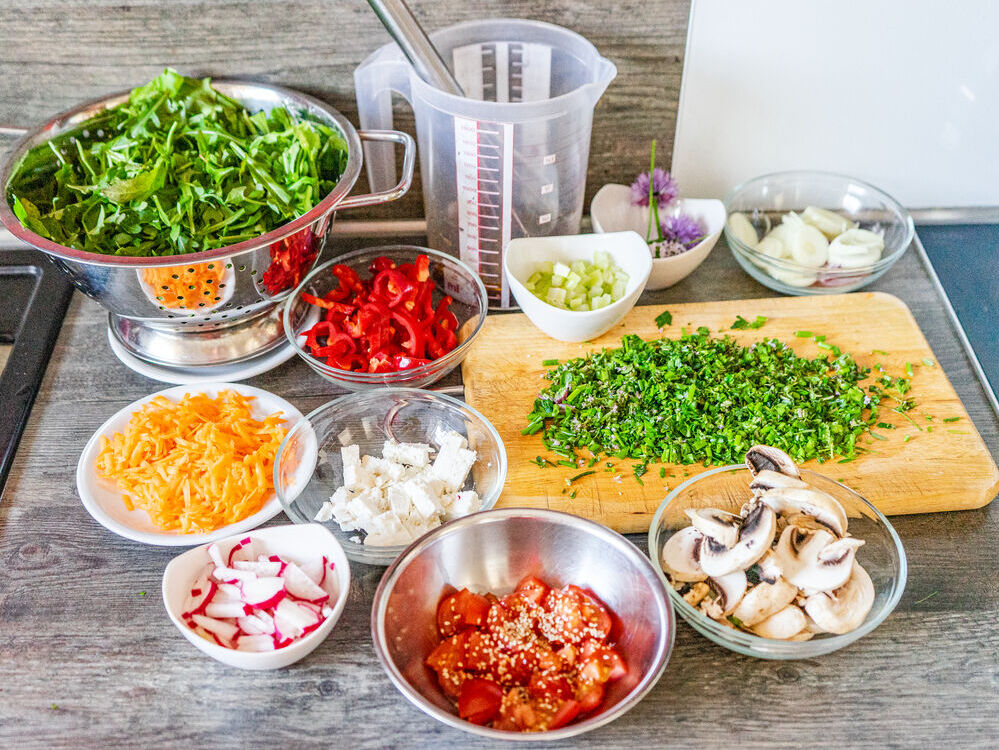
(226, 631)
(227, 609)
(292, 619)
(215, 553)
(231, 575)
(242, 550)
(262, 569)
(300, 586)
(198, 602)
(263, 593)
(255, 624)
(255, 643)
(315, 569)
(229, 592)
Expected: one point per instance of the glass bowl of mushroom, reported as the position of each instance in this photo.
(774, 561)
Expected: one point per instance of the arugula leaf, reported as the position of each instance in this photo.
(178, 168)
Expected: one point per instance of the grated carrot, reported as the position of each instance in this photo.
(196, 464)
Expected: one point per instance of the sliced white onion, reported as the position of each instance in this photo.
(828, 222)
(742, 229)
(856, 248)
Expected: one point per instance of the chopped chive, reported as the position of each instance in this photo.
(929, 429)
(550, 362)
(823, 345)
(592, 462)
(662, 472)
(845, 460)
(928, 362)
(876, 435)
(908, 369)
(567, 463)
(952, 419)
(581, 475)
(879, 351)
(958, 432)
(572, 495)
(804, 334)
(907, 438)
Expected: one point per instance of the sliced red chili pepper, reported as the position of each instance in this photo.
(322, 328)
(380, 362)
(348, 278)
(446, 338)
(422, 268)
(443, 315)
(352, 362)
(381, 264)
(337, 344)
(390, 287)
(328, 304)
(415, 338)
(402, 362)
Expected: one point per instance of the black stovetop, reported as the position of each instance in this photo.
(33, 299)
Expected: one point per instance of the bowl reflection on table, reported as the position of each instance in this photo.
(491, 552)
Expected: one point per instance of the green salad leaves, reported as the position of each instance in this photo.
(178, 168)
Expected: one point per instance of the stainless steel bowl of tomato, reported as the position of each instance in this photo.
(523, 624)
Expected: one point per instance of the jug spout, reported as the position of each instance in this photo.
(605, 73)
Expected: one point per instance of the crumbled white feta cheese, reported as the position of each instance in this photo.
(400, 496)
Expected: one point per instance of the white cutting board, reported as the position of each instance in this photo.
(902, 94)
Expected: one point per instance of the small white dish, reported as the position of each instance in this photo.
(104, 502)
(296, 542)
(611, 210)
(524, 255)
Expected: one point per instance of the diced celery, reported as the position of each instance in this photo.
(579, 285)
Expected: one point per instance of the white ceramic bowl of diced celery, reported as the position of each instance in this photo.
(577, 287)
(431, 458)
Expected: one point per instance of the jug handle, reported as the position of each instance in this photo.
(374, 82)
(387, 137)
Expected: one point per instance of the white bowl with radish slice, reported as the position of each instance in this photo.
(261, 600)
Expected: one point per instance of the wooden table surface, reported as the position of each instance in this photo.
(88, 657)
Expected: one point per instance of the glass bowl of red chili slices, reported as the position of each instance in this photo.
(522, 623)
(395, 315)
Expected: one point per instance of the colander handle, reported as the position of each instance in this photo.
(408, 162)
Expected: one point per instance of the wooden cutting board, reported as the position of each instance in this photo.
(948, 468)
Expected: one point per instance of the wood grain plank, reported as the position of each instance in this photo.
(949, 468)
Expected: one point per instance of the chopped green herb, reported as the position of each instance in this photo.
(540, 461)
(879, 351)
(572, 495)
(664, 318)
(735, 621)
(662, 472)
(823, 345)
(698, 399)
(550, 362)
(592, 462)
(566, 462)
(741, 323)
(907, 438)
(876, 435)
(927, 597)
(845, 460)
(804, 334)
(928, 362)
(958, 432)
(952, 419)
(886, 426)
(817, 339)
(908, 369)
(929, 429)
(580, 476)
(142, 593)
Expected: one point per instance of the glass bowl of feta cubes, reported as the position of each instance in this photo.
(381, 468)
(807, 232)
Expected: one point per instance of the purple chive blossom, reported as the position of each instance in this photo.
(682, 229)
(664, 189)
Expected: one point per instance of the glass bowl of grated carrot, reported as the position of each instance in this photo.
(309, 466)
(187, 465)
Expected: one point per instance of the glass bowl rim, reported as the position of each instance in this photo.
(746, 642)
(414, 373)
(375, 555)
(738, 245)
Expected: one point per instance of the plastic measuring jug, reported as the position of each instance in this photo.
(507, 160)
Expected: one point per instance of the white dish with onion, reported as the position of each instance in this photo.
(276, 595)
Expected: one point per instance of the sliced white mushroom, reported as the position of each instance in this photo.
(720, 525)
(856, 248)
(755, 537)
(763, 600)
(729, 590)
(813, 559)
(696, 593)
(804, 635)
(680, 555)
(828, 222)
(822, 506)
(783, 624)
(768, 479)
(769, 572)
(846, 608)
(767, 458)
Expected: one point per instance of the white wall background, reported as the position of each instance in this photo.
(903, 94)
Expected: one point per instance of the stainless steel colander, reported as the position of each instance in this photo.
(217, 306)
